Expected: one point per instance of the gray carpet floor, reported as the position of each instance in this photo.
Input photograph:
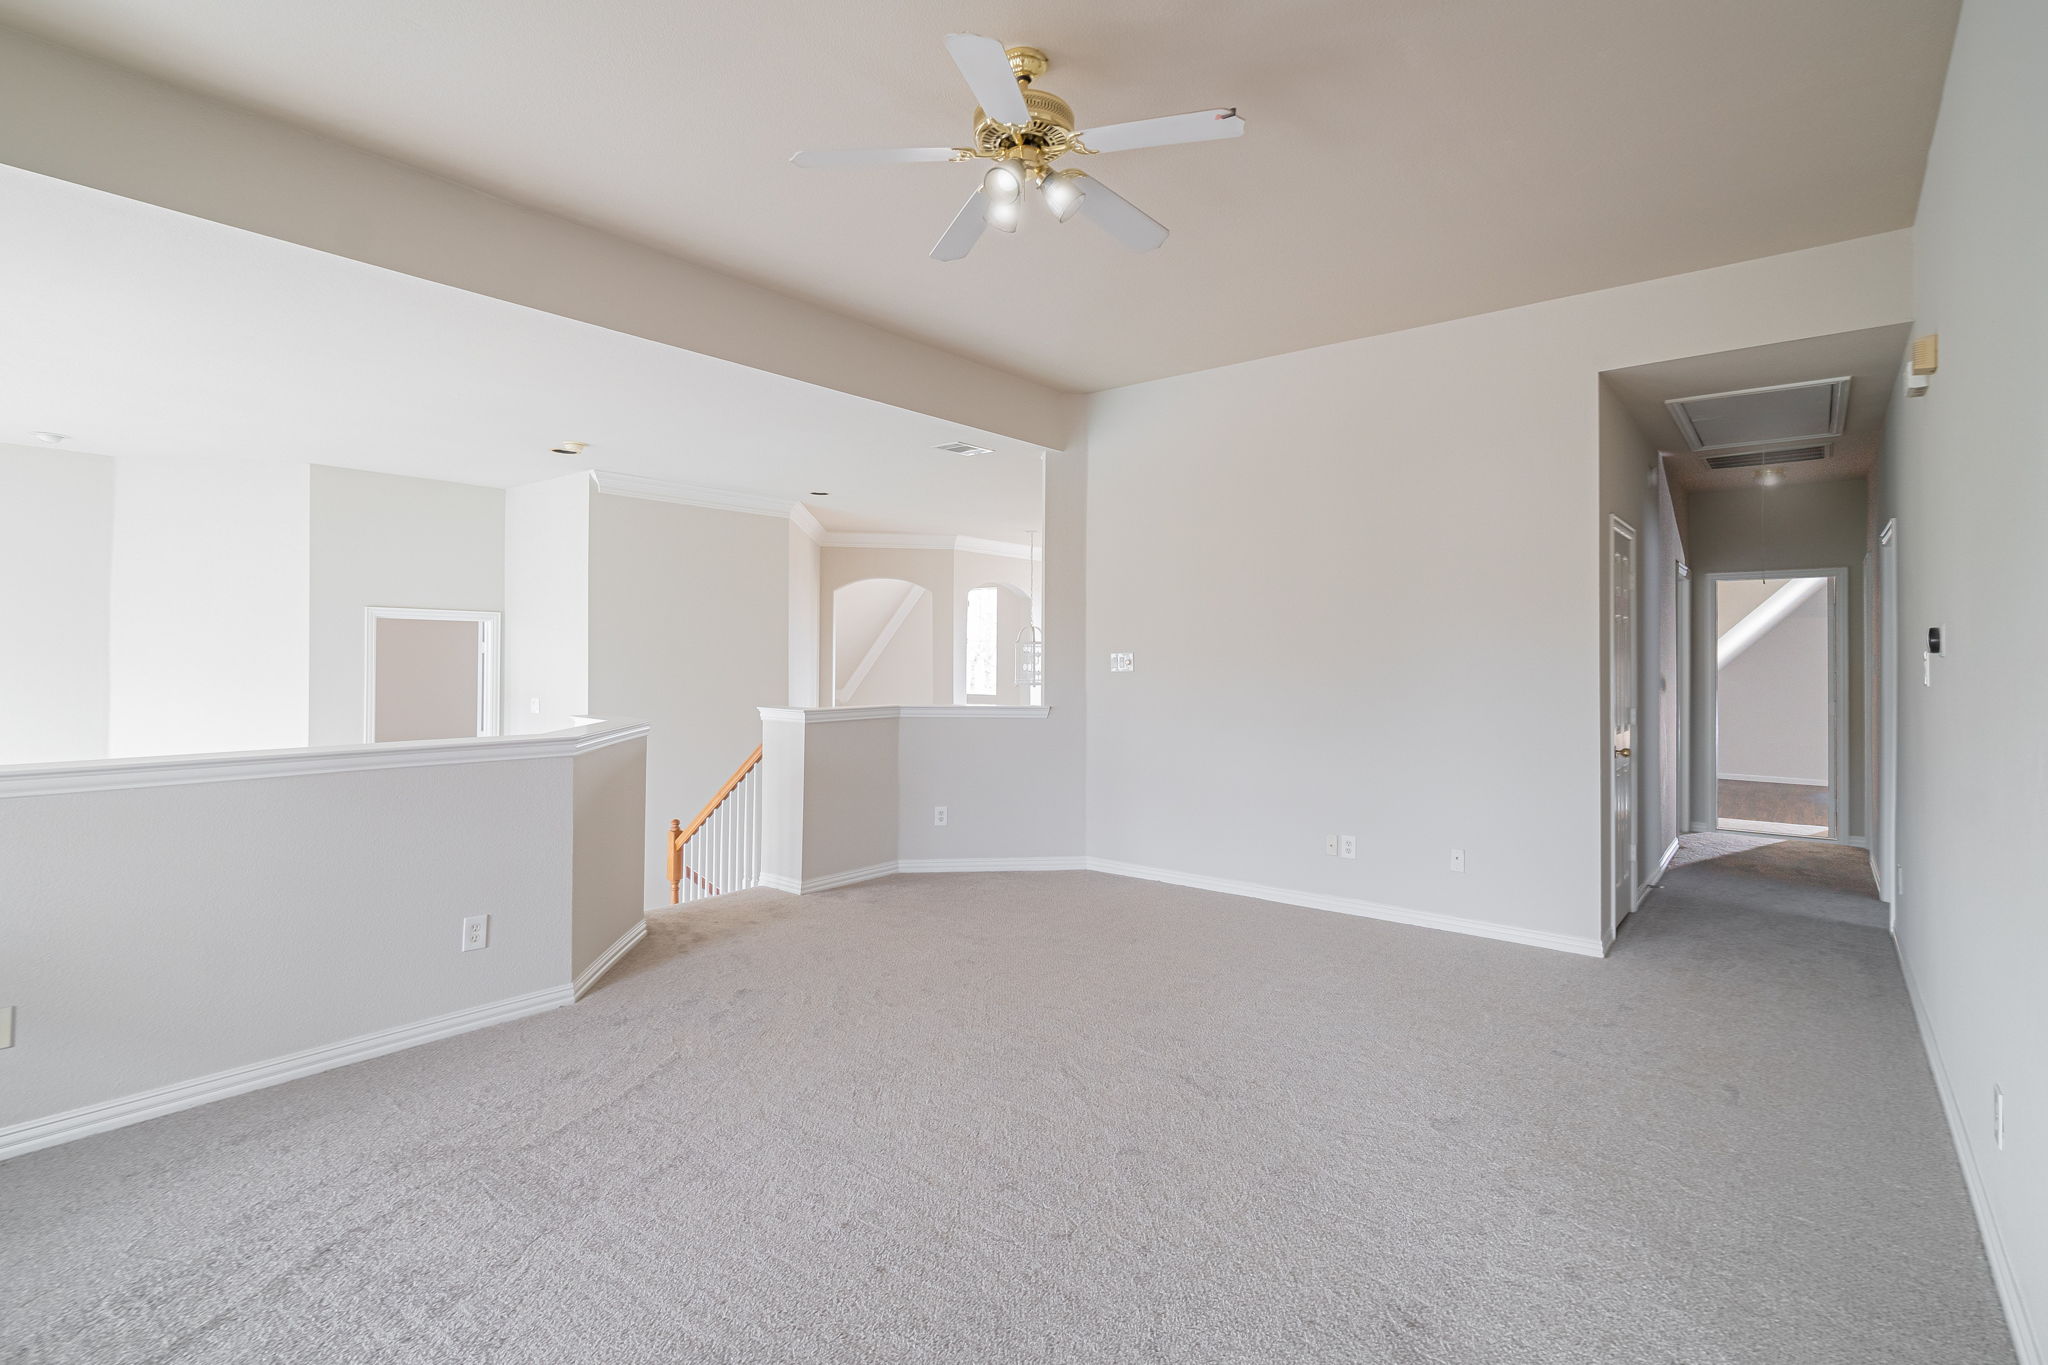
(1066, 1117)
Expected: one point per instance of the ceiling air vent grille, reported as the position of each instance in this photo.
(1757, 459)
(962, 448)
(1778, 415)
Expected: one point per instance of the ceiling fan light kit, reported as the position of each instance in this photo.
(1024, 130)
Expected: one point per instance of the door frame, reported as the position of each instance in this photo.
(1622, 906)
(1884, 843)
(1838, 701)
(489, 679)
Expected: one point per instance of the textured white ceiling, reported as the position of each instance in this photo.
(141, 332)
(1406, 162)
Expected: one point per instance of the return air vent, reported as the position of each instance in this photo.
(962, 448)
(1757, 459)
(1783, 413)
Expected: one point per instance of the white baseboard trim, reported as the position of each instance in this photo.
(36, 1134)
(1051, 863)
(787, 885)
(2025, 1345)
(1345, 905)
(1663, 866)
(1781, 781)
(622, 945)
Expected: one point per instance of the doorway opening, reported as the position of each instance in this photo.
(1780, 746)
(429, 674)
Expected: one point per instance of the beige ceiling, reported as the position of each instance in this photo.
(1406, 162)
(1871, 358)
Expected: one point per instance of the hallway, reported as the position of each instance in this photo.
(1727, 871)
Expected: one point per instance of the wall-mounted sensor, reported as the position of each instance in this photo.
(571, 448)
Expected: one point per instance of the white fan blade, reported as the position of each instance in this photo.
(966, 229)
(987, 68)
(1118, 216)
(1207, 126)
(873, 156)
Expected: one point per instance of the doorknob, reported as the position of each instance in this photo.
(1621, 753)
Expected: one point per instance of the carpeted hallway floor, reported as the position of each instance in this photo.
(1066, 1117)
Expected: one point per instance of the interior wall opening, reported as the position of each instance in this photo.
(1777, 704)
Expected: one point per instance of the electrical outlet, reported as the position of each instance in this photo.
(1122, 663)
(938, 815)
(1457, 860)
(1347, 845)
(1330, 845)
(476, 933)
(6, 1026)
(1998, 1118)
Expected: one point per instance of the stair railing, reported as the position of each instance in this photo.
(720, 850)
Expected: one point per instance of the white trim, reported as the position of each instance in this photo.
(1781, 781)
(623, 944)
(490, 630)
(789, 886)
(114, 774)
(1616, 908)
(1345, 905)
(2025, 1345)
(830, 715)
(1838, 689)
(800, 516)
(915, 594)
(847, 878)
(692, 494)
(1664, 863)
(911, 540)
(1046, 863)
(36, 1134)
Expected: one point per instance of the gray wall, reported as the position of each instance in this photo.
(56, 555)
(1965, 472)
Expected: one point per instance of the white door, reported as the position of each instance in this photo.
(1621, 684)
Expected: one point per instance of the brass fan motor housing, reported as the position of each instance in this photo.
(1051, 130)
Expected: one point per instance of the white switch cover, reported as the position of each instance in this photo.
(1122, 663)
(6, 1026)
(533, 706)
(476, 933)
(1347, 845)
(938, 815)
(1457, 860)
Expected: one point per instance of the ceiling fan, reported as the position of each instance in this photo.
(1024, 130)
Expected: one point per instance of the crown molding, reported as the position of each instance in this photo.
(907, 540)
(690, 494)
(808, 524)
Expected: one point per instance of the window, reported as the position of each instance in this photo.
(981, 642)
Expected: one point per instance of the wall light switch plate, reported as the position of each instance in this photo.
(533, 706)
(476, 933)
(1122, 663)
(1347, 845)
(6, 1026)
(1457, 860)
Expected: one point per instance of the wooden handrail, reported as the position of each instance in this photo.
(679, 834)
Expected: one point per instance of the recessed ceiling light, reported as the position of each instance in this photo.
(51, 438)
(571, 447)
(962, 448)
